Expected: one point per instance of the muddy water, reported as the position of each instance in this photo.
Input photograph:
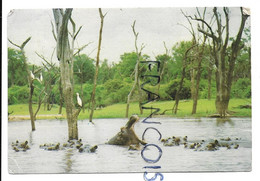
(118, 159)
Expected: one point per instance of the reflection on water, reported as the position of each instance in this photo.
(110, 158)
(223, 121)
(68, 160)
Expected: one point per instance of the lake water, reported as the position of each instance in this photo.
(115, 159)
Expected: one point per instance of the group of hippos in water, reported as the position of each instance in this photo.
(127, 137)
(57, 146)
(17, 146)
(201, 145)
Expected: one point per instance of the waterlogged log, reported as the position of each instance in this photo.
(126, 136)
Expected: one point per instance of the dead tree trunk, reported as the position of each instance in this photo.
(82, 93)
(192, 80)
(163, 65)
(30, 81)
(137, 76)
(210, 69)
(31, 89)
(65, 56)
(197, 78)
(61, 97)
(97, 66)
(132, 90)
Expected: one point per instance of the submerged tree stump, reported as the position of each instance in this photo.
(127, 136)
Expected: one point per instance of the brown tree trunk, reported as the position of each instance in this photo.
(196, 89)
(132, 90)
(198, 75)
(175, 107)
(81, 89)
(209, 80)
(192, 79)
(31, 87)
(140, 96)
(97, 66)
(61, 97)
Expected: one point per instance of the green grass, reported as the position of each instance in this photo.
(204, 108)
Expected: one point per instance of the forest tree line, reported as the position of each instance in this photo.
(115, 80)
(187, 62)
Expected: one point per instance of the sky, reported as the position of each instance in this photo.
(155, 26)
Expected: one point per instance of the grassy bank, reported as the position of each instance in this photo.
(204, 109)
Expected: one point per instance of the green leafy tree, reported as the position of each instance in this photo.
(243, 62)
(105, 72)
(84, 69)
(127, 64)
(17, 74)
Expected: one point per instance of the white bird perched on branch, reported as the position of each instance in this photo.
(79, 100)
(246, 11)
(32, 76)
(41, 78)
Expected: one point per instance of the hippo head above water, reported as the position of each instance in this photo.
(127, 135)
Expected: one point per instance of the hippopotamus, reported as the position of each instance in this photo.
(126, 136)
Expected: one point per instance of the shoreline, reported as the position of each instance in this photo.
(38, 117)
(17, 118)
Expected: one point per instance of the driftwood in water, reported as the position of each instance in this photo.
(127, 135)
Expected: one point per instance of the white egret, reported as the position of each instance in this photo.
(32, 76)
(79, 100)
(246, 11)
(41, 78)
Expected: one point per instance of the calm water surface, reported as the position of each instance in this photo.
(110, 158)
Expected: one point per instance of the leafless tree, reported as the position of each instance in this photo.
(97, 65)
(136, 73)
(65, 54)
(31, 79)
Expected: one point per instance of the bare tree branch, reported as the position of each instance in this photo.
(185, 27)
(23, 44)
(218, 23)
(53, 54)
(53, 32)
(166, 49)
(192, 30)
(52, 65)
(227, 28)
(77, 33)
(14, 44)
(97, 65)
(81, 48)
(208, 26)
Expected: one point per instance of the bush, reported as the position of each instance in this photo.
(173, 86)
(115, 91)
(163, 92)
(18, 94)
(203, 93)
(241, 88)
